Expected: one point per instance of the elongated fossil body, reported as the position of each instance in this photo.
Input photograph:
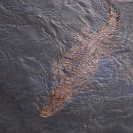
(78, 65)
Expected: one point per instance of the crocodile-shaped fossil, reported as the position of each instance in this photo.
(78, 65)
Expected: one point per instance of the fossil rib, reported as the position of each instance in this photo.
(78, 65)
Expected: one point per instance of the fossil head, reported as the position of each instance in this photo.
(46, 112)
(53, 104)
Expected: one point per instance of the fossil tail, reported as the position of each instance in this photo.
(113, 11)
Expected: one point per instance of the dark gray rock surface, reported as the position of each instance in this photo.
(34, 34)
